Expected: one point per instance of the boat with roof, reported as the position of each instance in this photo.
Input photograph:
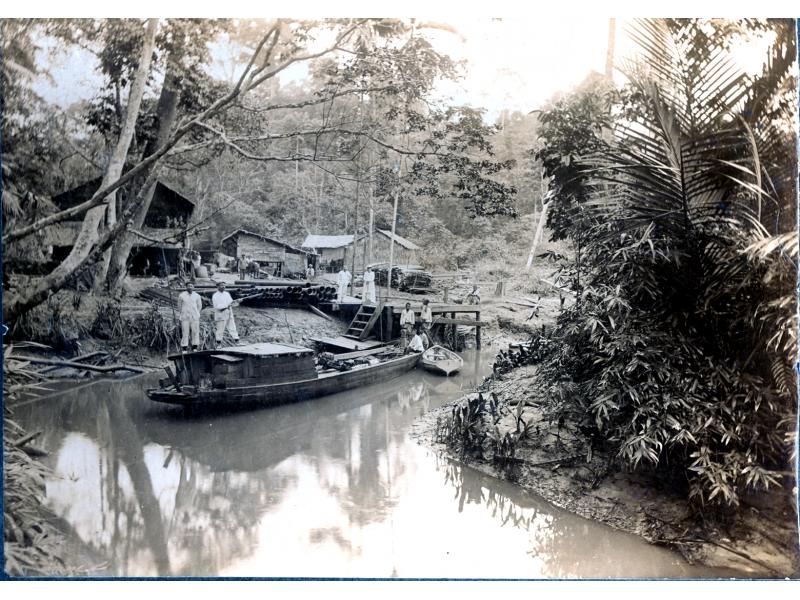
(267, 374)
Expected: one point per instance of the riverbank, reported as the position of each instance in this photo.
(560, 465)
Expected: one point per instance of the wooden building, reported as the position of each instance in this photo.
(405, 251)
(273, 255)
(332, 251)
(169, 214)
(335, 251)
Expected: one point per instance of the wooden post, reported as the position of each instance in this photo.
(389, 312)
(478, 330)
(445, 299)
(455, 332)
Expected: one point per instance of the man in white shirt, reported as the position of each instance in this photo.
(223, 314)
(369, 286)
(407, 319)
(416, 344)
(189, 305)
(342, 279)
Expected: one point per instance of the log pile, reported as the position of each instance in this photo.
(406, 278)
(250, 294)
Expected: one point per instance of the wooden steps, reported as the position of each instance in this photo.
(362, 324)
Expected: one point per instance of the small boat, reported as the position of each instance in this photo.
(441, 360)
(267, 374)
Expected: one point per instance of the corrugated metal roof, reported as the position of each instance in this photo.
(327, 241)
(400, 240)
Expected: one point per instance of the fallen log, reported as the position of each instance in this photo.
(80, 359)
(519, 302)
(78, 365)
(26, 438)
(546, 463)
(317, 311)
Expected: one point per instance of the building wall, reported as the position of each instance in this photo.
(329, 259)
(265, 252)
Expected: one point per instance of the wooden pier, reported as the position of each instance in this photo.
(443, 314)
(384, 326)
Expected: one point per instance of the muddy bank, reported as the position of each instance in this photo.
(560, 465)
(139, 334)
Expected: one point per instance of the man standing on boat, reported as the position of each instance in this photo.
(407, 319)
(223, 314)
(189, 305)
(369, 286)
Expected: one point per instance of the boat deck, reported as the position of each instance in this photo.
(348, 343)
(255, 349)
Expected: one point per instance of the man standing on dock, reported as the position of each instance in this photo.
(189, 305)
(342, 279)
(223, 314)
(369, 286)
(426, 317)
(407, 319)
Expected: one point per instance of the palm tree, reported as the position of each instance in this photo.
(683, 339)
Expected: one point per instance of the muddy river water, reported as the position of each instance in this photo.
(334, 487)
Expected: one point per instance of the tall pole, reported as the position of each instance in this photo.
(391, 241)
(612, 25)
(355, 222)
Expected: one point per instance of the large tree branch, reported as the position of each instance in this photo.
(315, 101)
(255, 82)
(220, 104)
(139, 168)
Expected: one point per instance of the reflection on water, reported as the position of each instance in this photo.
(330, 487)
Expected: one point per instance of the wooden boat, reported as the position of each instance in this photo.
(266, 374)
(441, 360)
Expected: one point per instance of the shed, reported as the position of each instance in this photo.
(282, 258)
(333, 251)
(405, 251)
(169, 213)
(336, 251)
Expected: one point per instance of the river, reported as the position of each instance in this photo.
(334, 487)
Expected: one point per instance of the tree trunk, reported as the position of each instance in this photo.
(537, 236)
(612, 27)
(165, 114)
(90, 232)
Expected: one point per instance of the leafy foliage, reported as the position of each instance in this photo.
(678, 350)
(30, 541)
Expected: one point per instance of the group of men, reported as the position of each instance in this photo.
(344, 278)
(190, 304)
(416, 338)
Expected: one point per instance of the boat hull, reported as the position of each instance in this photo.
(441, 360)
(282, 393)
(442, 367)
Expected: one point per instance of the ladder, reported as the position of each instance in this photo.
(364, 321)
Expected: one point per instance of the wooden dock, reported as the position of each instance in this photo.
(440, 312)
